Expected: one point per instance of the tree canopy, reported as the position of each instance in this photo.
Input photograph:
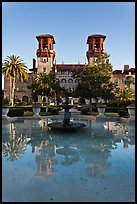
(44, 84)
(94, 81)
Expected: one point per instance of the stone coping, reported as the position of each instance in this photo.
(86, 117)
(127, 120)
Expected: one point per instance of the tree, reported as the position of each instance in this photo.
(44, 84)
(94, 81)
(125, 96)
(13, 67)
(129, 80)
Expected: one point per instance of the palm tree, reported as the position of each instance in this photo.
(42, 80)
(46, 84)
(14, 147)
(129, 80)
(13, 67)
(125, 95)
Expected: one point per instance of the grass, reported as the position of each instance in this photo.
(28, 113)
(111, 114)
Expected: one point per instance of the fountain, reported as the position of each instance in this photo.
(66, 124)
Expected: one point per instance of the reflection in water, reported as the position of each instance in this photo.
(45, 158)
(70, 154)
(121, 133)
(93, 146)
(15, 145)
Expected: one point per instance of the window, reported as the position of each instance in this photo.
(70, 81)
(63, 80)
(44, 59)
(45, 46)
(116, 81)
(44, 69)
(96, 44)
(57, 80)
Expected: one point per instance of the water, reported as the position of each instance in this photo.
(95, 164)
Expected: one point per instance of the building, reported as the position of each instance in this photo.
(46, 59)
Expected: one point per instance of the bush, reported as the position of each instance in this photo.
(111, 109)
(54, 111)
(18, 104)
(123, 113)
(84, 110)
(5, 101)
(28, 113)
(15, 112)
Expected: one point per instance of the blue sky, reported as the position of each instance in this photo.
(70, 23)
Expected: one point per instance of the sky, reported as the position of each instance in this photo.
(70, 23)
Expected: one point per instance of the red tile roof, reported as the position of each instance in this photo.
(69, 66)
(45, 36)
(117, 72)
(95, 36)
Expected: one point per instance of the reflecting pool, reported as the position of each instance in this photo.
(95, 164)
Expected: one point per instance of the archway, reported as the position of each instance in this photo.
(25, 99)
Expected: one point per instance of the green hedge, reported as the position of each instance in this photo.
(54, 111)
(123, 113)
(5, 101)
(15, 112)
(28, 111)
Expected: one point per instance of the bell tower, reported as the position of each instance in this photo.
(45, 53)
(95, 46)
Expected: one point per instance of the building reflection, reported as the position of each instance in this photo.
(96, 154)
(45, 158)
(123, 133)
(69, 153)
(55, 150)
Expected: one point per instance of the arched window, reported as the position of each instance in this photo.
(44, 69)
(63, 80)
(97, 44)
(44, 59)
(70, 80)
(44, 99)
(57, 80)
(25, 98)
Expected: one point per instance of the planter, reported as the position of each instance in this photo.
(36, 110)
(101, 109)
(5, 110)
(131, 111)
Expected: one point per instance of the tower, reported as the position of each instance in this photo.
(95, 46)
(45, 53)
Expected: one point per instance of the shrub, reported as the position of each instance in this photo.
(28, 113)
(54, 111)
(18, 104)
(84, 110)
(36, 104)
(15, 112)
(5, 101)
(111, 109)
(123, 113)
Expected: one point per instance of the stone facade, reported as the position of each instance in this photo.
(46, 59)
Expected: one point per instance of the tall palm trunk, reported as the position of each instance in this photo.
(90, 105)
(47, 104)
(13, 91)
